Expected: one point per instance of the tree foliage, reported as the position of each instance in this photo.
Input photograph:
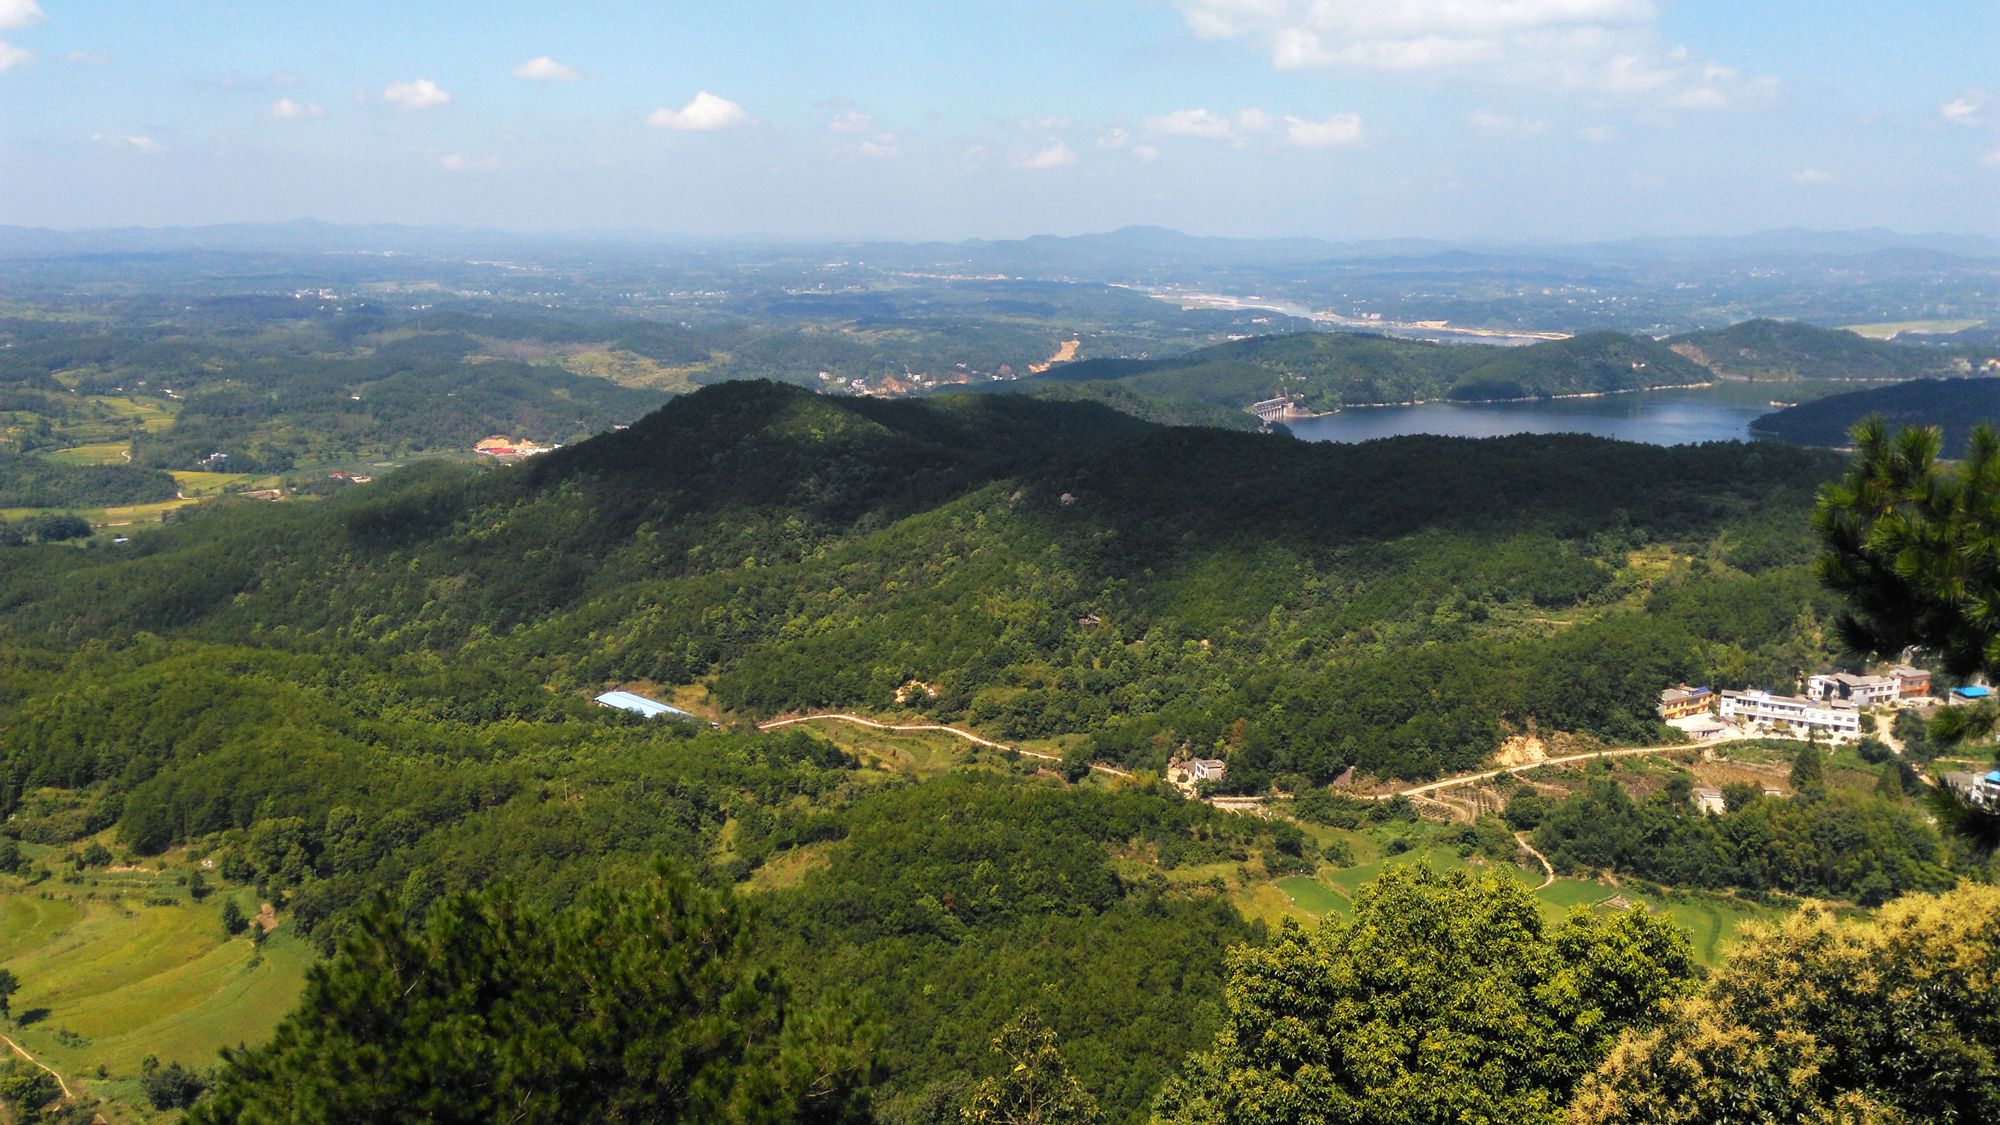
(1821, 1018)
(642, 1004)
(1446, 999)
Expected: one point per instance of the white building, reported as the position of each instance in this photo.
(1864, 691)
(1835, 718)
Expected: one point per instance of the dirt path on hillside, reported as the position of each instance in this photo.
(1567, 759)
(1549, 871)
(918, 728)
(60, 1084)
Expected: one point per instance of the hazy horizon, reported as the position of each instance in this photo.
(1524, 122)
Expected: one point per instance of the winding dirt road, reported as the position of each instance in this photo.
(918, 728)
(60, 1084)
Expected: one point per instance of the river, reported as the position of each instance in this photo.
(1722, 412)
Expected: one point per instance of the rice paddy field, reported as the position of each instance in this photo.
(120, 965)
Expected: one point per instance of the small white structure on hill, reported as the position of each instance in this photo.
(640, 705)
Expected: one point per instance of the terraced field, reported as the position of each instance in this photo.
(127, 965)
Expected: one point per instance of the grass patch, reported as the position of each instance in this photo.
(102, 453)
(1313, 897)
(115, 971)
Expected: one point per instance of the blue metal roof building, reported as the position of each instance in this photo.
(640, 705)
(1973, 691)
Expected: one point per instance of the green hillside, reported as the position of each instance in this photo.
(1954, 406)
(1329, 370)
(357, 709)
(1789, 349)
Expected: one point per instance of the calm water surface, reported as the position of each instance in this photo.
(1679, 417)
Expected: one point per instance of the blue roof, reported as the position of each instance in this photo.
(1973, 692)
(640, 705)
(1994, 777)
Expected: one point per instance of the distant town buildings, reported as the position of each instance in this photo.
(1710, 801)
(1911, 683)
(503, 448)
(1833, 718)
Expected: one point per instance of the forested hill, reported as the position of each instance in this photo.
(1055, 568)
(1332, 369)
(1955, 406)
(1789, 349)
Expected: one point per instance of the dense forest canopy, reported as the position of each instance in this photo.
(1053, 568)
(1954, 406)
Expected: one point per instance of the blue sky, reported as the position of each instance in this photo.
(1494, 119)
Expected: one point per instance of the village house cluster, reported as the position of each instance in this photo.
(1830, 708)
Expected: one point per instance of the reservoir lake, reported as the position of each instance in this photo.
(1722, 412)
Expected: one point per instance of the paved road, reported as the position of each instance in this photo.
(913, 728)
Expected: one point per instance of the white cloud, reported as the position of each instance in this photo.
(1045, 124)
(1495, 124)
(1597, 134)
(1145, 154)
(12, 56)
(1991, 159)
(454, 162)
(16, 14)
(1114, 138)
(1253, 120)
(849, 121)
(1813, 176)
(705, 113)
(1588, 45)
(879, 146)
(1190, 123)
(420, 94)
(1963, 109)
(88, 58)
(285, 109)
(144, 144)
(545, 69)
(1053, 155)
(1339, 129)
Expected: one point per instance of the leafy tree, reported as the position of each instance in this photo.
(1913, 544)
(1036, 1088)
(1446, 999)
(1824, 1019)
(169, 1087)
(233, 920)
(642, 1004)
(1808, 770)
(28, 1089)
(9, 985)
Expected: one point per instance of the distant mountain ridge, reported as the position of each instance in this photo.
(1764, 349)
(1132, 244)
(1954, 406)
(1328, 370)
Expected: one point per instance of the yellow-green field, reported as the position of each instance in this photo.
(126, 965)
(1887, 329)
(199, 484)
(1711, 921)
(110, 517)
(103, 453)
